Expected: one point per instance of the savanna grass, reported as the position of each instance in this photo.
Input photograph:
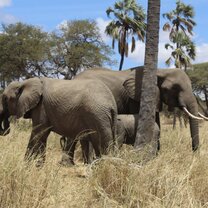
(177, 177)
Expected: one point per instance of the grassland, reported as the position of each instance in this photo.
(175, 178)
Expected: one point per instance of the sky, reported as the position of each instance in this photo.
(48, 14)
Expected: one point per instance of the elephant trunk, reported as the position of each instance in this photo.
(194, 125)
(4, 125)
(194, 128)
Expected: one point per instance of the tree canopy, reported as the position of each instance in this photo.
(77, 46)
(23, 51)
(129, 21)
(180, 26)
(27, 51)
(199, 79)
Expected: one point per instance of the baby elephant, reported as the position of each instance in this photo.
(127, 129)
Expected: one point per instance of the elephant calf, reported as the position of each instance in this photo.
(127, 129)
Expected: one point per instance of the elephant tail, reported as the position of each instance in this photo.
(113, 125)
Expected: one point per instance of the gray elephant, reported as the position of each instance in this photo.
(68, 148)
(174, 88)
(125, 134)
(4, 121)
(75, 108)
(127, 127)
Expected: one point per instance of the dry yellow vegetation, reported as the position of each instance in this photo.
(175, 178)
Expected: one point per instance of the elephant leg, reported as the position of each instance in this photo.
(87, 151)
(96, 146)
(68, 152)
(37, 144)
(157, 118)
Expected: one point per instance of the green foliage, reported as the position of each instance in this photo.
(77, 46)
(199, 79)
(23, 51)
(128, 21)
(180, 25)
(181, 18)
(183, 50)
(27, 51)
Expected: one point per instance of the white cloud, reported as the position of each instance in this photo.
(63, 24)
(4, 3)
(102, 25)
(202, 53)
(7, 18)
(138, 55)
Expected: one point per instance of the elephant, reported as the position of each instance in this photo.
(125, 134)
(68, 148)
(127, 127)
(73, 108)
(174, 87)
(4, 122)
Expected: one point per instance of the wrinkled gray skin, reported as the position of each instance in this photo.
(75, 108)
(125, 134)
(174, 88)
(126, 129)
(68, 148)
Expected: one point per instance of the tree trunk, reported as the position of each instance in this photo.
(146, 120)
(123, 51)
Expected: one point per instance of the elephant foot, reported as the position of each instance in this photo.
(39, 163)
(66, 161)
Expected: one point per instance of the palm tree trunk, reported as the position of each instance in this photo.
(145, 133)
(123, 50)
(121, 61)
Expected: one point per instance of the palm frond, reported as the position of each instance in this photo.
(108, 11)
(168, 61)
(133, 44)
(166, 27)
(167, 45)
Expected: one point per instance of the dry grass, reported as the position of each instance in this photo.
(175, 178)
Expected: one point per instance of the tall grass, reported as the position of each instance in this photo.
(175, 178)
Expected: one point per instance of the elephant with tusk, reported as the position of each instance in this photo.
(174, 87)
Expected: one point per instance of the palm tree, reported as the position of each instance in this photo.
(180, 18)
(129, 21)
(148, 97)
(180, 25)
(183, 52)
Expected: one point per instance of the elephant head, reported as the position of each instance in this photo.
(174, 90)
(19, 98)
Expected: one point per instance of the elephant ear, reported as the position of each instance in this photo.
(29, 94)
(133, 85)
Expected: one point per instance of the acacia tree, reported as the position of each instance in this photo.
(78, 45)
(129, 21)
(199, 80)
(148, 96)
(180, 25)
(23, 51)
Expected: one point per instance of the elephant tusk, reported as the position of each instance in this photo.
(204, 117)
(191, 115)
